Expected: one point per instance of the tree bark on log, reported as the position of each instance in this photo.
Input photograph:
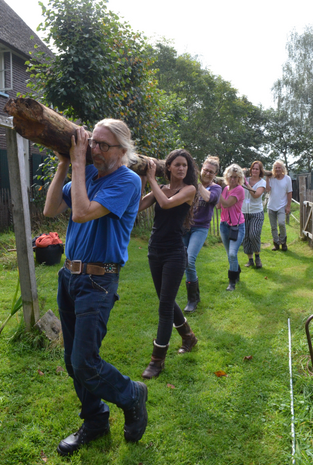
(38, 123)
(46, 127)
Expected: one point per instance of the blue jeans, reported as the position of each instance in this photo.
(85, 302)
(167, 269)
(194, 240)
(232, 247)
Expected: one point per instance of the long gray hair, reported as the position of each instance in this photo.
(123, 135)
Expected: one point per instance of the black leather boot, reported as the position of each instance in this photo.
(76, 440)
(136, 417)
(276, 246)
(233, 277)
(189, 339)
(284, 247)
(157, 362)
(193, 295)
(238, 277)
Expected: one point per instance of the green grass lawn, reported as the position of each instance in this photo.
(195, 417)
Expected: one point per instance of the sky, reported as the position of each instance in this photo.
(243, 41)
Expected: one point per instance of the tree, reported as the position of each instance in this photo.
(102, 68)
(293, 93)
(218, 122)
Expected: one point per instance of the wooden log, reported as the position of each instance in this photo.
(46, 127)
(38, 123)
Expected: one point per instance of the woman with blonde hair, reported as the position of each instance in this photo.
(209, 193)
(232, 227)
(279, 186)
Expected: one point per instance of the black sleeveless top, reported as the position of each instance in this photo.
(167, 230)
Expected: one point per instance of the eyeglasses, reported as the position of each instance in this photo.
(103, 146)
(208, 171)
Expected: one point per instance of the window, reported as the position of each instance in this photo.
(6, 71)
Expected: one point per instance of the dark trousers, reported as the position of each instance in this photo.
(85, 303)
(167, 268)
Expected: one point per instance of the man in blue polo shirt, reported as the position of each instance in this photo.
(104, 199)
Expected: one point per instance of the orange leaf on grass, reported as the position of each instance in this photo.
(40, 373)
(170, 386)
(220, 373)
(248, 357)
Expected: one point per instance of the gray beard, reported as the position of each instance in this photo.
(105, 166)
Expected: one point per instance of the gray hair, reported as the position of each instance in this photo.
(123, 135)
(283, 167)
(231, 170)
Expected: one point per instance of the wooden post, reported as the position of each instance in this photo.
(22, 227)
(302, 195)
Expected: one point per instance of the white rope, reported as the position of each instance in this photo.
(291, 397)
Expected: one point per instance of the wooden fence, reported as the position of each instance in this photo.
(306, 207)
(145, 219)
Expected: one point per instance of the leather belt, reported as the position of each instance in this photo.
(97, 269)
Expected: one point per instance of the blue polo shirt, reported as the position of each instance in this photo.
(105, 239)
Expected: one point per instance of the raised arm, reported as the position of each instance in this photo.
(205, 194)
(268, 187)
(255, 194)
(54, 201)
(83, 209)
(147, 200)
(186, 194)
(226, 203)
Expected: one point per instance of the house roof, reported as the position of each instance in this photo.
(15, 34)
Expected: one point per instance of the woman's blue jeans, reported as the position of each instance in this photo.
(232, 247)
(85, 302)
(194, 240)
(167, 269)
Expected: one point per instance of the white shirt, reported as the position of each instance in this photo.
(251, 205)
(278, 193)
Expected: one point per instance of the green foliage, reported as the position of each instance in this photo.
(16, 305)
(102, 68)
(293, 93)
(218, 122)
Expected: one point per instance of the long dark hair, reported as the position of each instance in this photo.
(190, 179)
(192, 172)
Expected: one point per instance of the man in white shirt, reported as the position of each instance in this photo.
(279, 187)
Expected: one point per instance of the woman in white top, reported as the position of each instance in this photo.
(252, 209)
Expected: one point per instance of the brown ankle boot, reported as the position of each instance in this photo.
(189, 340)
(157, 362)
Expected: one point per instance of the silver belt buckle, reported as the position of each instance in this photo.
(79, 262)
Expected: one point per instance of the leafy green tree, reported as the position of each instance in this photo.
(293, 93)
(218, 121)
(102, 68)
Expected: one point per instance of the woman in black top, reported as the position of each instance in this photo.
(166, 251)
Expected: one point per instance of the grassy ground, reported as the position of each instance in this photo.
(195, 417)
